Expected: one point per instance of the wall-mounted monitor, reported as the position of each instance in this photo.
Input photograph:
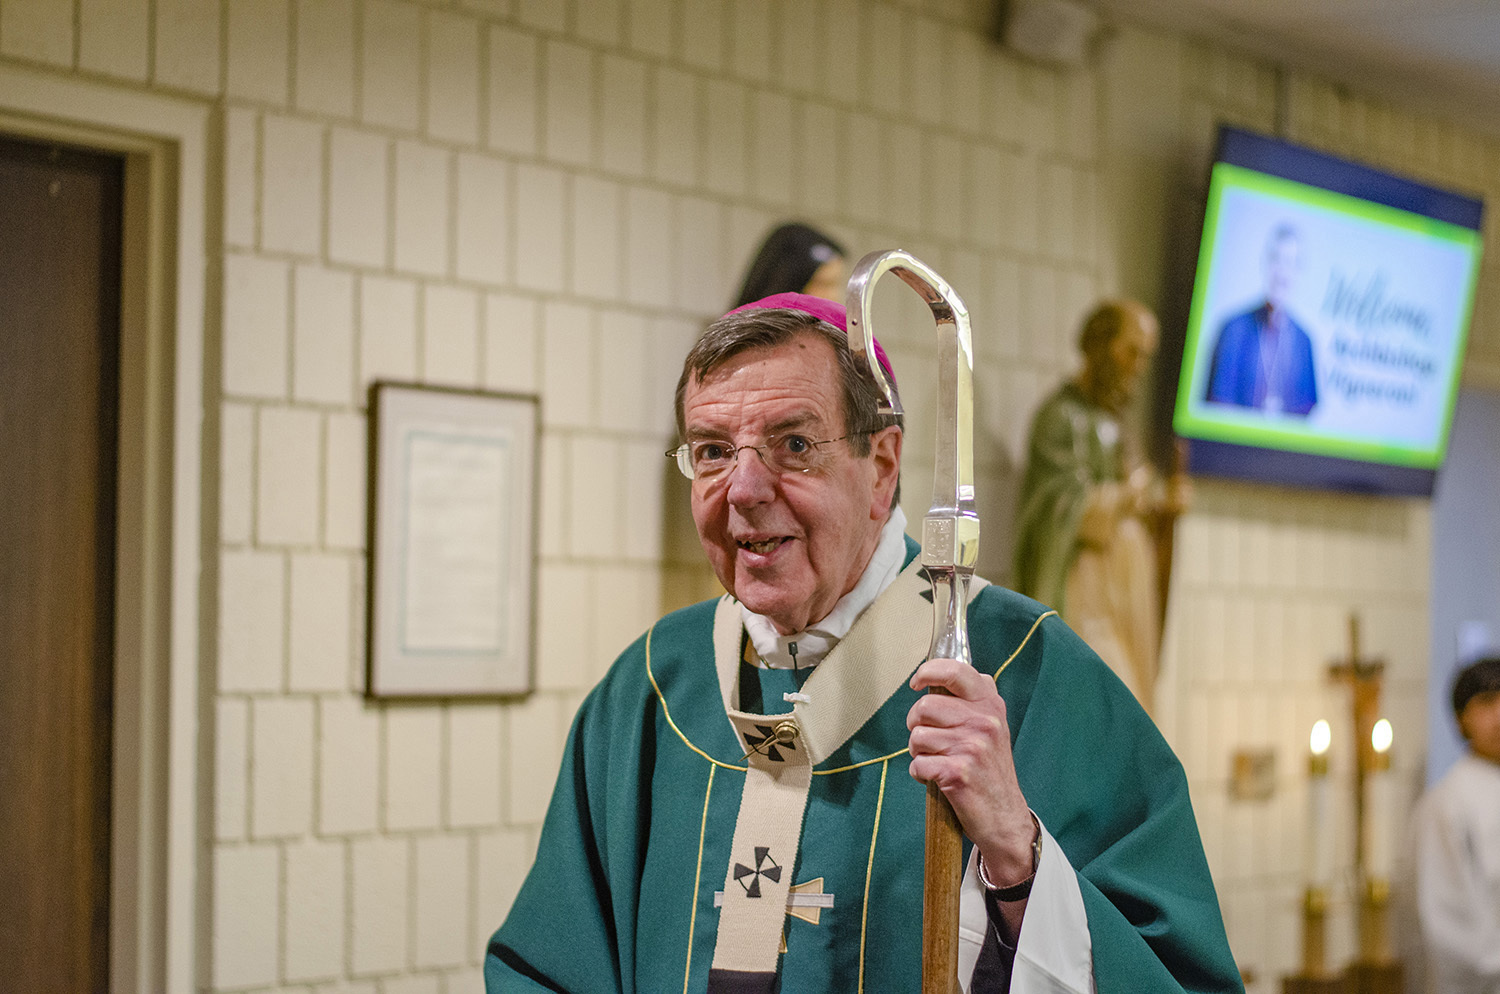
(1330, 309)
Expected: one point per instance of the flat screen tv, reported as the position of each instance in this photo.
(1330, 308)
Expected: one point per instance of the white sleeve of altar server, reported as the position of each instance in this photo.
(1054, 954)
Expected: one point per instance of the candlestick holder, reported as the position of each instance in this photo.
(1315, 977)
(1376, 971)
(1374, 913)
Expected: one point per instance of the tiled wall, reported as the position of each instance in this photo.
(1269, 577)
(551, 196)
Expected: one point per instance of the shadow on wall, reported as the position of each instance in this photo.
(686, 577)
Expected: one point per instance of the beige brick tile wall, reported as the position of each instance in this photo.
(246, 915)
(291, 178)
(281, 767)
(113, 37)
(411, 794)
(258, 43)
(348, 767)
(624, 351)
(251, 632)
(288, 467)
(563, 646)
(416, 984)
(37, 30)
(344, 483)
(320, 623)
(510, 343)
(501, 855)
(553, 493)
(236, 472)
(475, 735)
(1268, 578)
(595, 230)
(323, 65)
(231, 768)
(256, 294)
(388, 329)
(380, 905)
(450, 336)
(550, 198)
(358, 181)
(514, 81)
(541, 212)
(322, 335)
(442, 869)
(312, 932)
(391, 52)
(482, 245)
(452, 64)
(187, 55)
(532, 744)
(421, 214)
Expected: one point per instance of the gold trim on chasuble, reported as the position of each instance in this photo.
(856, 679)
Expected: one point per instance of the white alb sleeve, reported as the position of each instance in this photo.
(1054, 954)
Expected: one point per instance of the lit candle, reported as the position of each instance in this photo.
(1319, 848)
(1378, 814)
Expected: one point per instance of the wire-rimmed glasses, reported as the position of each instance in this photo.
(709, 458)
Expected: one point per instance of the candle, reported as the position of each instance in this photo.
(1378, 814)
(1319, 846)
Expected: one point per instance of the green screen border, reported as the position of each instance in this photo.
(1235, 428)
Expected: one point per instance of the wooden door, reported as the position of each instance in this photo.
(60, 217)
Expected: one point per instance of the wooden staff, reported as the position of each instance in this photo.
(950, 550)
(1166, 537)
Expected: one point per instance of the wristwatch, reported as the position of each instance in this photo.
(1022, 890)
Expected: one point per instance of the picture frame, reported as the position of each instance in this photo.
(452, 536)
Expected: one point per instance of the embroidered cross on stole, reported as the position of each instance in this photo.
(852, 683)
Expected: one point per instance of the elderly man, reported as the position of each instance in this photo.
(740, 803)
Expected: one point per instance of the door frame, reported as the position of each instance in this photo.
(162, 720)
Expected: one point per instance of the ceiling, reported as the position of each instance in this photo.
(1437, 54)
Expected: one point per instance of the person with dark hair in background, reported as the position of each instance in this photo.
(796, 258)
(1456, 842)
(1263, 358)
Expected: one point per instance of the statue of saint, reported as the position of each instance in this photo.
(1091, 510)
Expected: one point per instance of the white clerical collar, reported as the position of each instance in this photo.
(801, 650)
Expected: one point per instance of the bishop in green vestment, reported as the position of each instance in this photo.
(740, 805)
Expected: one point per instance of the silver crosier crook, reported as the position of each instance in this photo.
(950, 550)
(950, 531)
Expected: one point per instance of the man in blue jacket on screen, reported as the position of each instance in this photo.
(1263, 359)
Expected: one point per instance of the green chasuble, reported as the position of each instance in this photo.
(1075, 446)
(637, 839)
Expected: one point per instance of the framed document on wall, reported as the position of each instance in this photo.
(452, 542)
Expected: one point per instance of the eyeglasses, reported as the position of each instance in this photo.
(710, 459)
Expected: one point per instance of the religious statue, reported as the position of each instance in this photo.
(796, 258)
(1092, 512)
